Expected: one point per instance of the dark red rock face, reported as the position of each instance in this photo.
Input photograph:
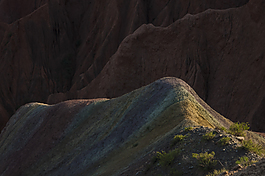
(12, 10)
(36, 58)
(63, 49)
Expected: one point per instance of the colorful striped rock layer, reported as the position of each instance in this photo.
(99, 136)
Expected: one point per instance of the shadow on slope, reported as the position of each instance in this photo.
(91, 137)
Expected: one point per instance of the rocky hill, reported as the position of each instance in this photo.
(212, 51)
(116, 136)
(62, 49)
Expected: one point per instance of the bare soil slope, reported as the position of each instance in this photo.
(116, 136)
(96, 136)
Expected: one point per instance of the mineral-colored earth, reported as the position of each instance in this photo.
(116, 136)
(106, 51)
(62, 49)
(86, 137)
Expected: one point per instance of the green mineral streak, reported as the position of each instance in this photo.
(18, 125)
(174, 110)
(178, 110)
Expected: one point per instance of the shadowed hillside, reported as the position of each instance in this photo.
(114, 136)
(51, 47)
(85, 134)
(219, 53)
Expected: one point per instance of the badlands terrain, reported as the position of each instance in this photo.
(119, 136)
(58, 50)
(101, 87)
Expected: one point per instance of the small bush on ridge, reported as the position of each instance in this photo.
(252, 147)
(216, 172)
(208, 136)
(188, 129)
(205, 160)
(177, 139)
(166, 159)
(224, 141)
(221, 128)
(244, 161)
(238, 129)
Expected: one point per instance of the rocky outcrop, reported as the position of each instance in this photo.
(178, 156)
(253, 170)
(54, 46)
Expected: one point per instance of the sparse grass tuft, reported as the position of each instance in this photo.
(221, 128)
(205, 160)
(208, 136)
(224, 141)
(244, 161)
(177, 139)
(216, 172)
(248, 145)
(166, 159)
(238, 129)
(188, 129)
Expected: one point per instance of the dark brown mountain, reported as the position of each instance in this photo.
(67, 49)
(12, 10)
(220, 53)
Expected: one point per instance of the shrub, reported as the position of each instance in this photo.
(216, 172)
(177, 139)
(188, 129)
(244, 161)
(208, 136)
(221, 128)
(238, 129)
(252, 147)
(205, 160)
(166, 159)
(224, 141)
